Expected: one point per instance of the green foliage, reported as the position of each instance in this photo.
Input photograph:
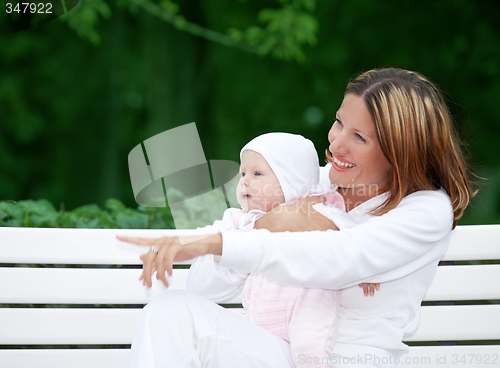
(199, 211)
(170, 6)
(42, 213)
(84, 18)
(189, 214)
(71, 112)
(484, 208)
(287, 29)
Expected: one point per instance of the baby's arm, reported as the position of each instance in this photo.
(369, 287)
(216, 283)
(206, 277)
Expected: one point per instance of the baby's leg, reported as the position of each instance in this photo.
(313, 328)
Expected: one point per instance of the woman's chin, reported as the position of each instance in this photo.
(339, 180)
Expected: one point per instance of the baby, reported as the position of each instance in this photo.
(276, 169)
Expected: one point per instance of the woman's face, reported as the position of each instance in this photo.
(358, 161)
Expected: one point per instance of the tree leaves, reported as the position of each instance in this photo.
(287, 29)
(84, 18)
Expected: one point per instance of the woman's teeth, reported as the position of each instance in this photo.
(342, 164)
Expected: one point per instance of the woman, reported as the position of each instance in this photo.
(395, 158)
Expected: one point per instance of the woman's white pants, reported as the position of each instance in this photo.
(181, 329)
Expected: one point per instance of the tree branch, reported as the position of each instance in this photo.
(179, 22)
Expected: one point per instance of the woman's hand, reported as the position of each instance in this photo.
(298, 216)
(170, 250)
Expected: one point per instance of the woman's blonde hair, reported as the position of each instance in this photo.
(416, 134)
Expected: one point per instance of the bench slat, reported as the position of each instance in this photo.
(460, 322)
(91, 246)
(65, 358)
(120, 286)
(47, 326)
(478, 282)
(474, 242)
(79, 286)
(74, 246)
(470, 356)
(82, 286)
(418, 356)
(115, 326)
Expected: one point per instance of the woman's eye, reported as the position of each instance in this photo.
(338, 122)
(360, 137)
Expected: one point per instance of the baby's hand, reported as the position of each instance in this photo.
(368, 286)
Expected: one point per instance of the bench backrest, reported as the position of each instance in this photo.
(71, 296)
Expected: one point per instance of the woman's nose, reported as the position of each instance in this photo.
(338, 143)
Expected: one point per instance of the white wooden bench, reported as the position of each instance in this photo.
(69, 298)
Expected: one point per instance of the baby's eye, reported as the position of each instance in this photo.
(257, 173)
(242, 174)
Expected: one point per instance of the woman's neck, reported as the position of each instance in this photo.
(355, 196)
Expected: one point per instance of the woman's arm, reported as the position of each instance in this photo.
(383, 248)
(298, 216)
(171, 249)
(177, 249)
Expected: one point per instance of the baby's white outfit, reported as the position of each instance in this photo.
(304, 317)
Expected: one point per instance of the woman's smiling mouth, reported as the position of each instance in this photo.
(342, 164)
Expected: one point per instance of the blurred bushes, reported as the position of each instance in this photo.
(115, 215)
(189, 213)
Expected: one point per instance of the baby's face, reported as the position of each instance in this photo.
(258, 189)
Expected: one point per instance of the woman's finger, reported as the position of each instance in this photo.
(169, 259)
(153, 270)
(147, 268)
(160, 265)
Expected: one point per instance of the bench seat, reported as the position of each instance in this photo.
(70, 298)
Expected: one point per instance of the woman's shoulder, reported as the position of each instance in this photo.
(428, 198)
(433, 206)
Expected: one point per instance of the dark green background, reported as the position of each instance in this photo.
(72, 107)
